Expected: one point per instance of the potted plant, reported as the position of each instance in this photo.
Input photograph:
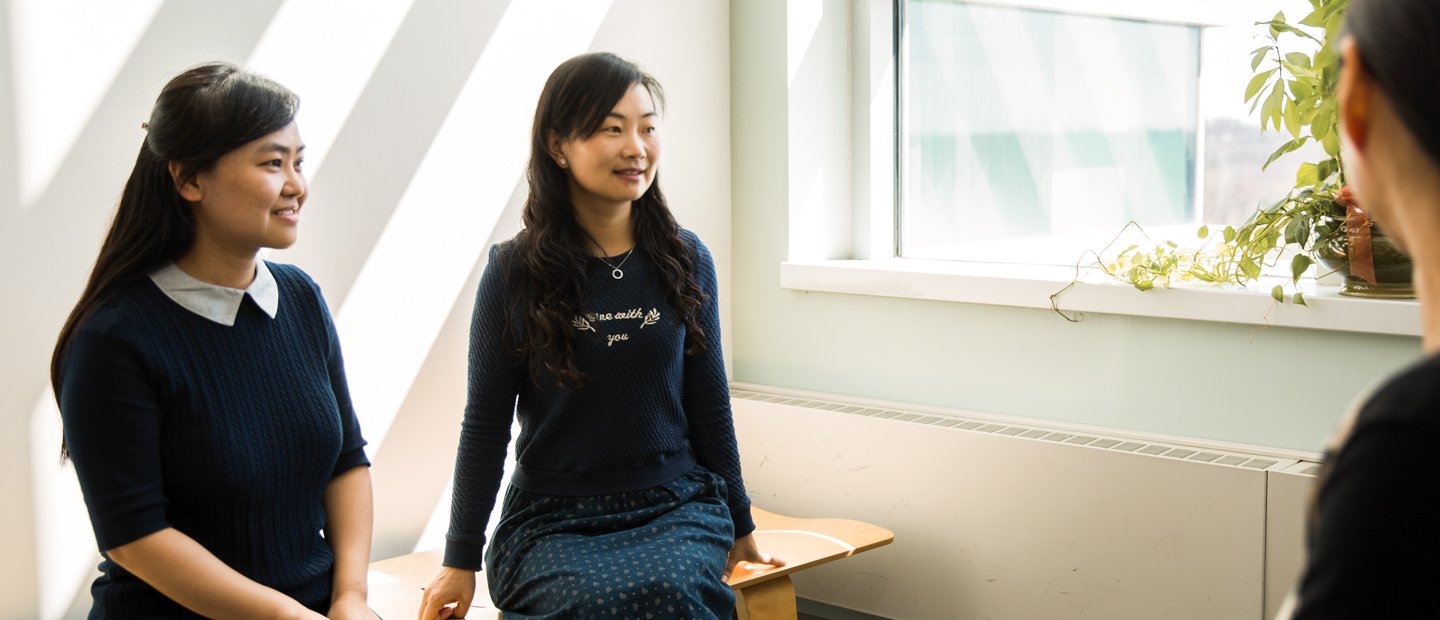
(1295, 93)
(1319, 219)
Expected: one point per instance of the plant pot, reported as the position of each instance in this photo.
(1391, 266)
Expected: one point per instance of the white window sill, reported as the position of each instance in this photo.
(1027, 286)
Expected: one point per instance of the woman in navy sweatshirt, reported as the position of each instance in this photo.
(1374, 549)
(598, 326)
(202, 388)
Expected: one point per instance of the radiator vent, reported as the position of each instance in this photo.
(1216, 457)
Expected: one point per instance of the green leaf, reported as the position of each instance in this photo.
(1331, 142)
(1276, 103)
(1298, 59)
(1229, 234)
(1250, 268)
(1307, 175)
(1144, 285)
(1323, 124)
(1203, 233)
(1303, 91)
(1257, 57)
(1325, 60)
(1333, 23)
(1267, 112)
(1288, 147)
(1292, 117)
(1325, 169)
(1278, 27)
(1298, 265)
(1300, 299)
(1307, 115)
(1316, 18)
(1297, 70)
(1274, 24)
(1257, 83)
(1278, 293)
(1295, 232)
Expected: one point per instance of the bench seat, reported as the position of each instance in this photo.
(396, 584)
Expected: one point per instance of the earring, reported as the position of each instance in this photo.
(563, 162)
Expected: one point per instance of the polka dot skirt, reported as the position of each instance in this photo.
(654, 553)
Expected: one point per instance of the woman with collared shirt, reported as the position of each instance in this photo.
(1374, 536)
(202, 388)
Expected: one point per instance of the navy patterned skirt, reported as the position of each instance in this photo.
(653, 553)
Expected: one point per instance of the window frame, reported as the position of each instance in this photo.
(847, 241)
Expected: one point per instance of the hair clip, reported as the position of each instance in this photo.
(145, 125)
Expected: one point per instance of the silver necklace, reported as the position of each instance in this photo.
(615, 271)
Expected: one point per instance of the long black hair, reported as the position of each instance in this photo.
(547, 260)
(200, 115)
(1397, 41)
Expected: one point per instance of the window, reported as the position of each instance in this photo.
(1029, 136)
(1195, 152)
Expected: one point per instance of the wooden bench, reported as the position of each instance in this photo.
(768, 594)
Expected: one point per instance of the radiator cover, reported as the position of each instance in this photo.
(1001, 518)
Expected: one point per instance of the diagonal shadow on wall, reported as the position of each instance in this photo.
(411, 469)
(18, 583)
(368, 171)
(9, 136)
(75, 204)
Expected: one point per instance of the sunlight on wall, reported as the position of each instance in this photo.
(402, 225)
(809, 215)
(433, 536)
(802, 20)
(818, 106)
(329, 71)
(66, 554)
(421, 261)
(86, 43)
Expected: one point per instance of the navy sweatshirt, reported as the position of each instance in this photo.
(1374, 550)
(646, 414)
(229, 434)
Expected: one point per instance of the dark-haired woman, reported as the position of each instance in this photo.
(598, 325)
(202, 388)
(1374, 544)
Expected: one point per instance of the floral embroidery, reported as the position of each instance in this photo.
(587, 322)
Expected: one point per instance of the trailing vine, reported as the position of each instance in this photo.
(1293, 92)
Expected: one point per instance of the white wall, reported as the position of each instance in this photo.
(416, 114)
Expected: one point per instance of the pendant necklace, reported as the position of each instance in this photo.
(615, 271)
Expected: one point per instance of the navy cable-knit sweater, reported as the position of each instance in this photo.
(645, 415)
(229, 434)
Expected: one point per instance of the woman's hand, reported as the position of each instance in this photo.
(187, 573)
(745, 556)
(452, 585)
(350, 607)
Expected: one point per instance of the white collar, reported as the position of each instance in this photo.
(217, 303)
